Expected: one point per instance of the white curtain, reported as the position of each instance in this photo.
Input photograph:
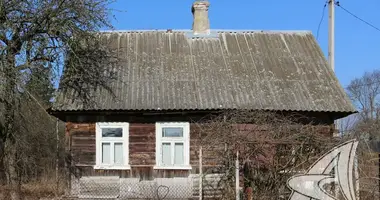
(118, 153)
(178, 154)
(106, 152)
(166, 154)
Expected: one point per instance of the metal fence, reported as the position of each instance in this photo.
(212, 186)
(195, 186)
(159, 188)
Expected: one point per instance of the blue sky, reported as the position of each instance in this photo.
(357, 44)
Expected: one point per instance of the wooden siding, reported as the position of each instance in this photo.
(83, 148)
(141, 152)
(142, 147)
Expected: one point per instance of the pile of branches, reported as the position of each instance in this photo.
(271, 147)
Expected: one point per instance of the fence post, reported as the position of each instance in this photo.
(57, 159)
(68, 163)
(356, 169)
(200, 174)
(237, 182)
(336, 180)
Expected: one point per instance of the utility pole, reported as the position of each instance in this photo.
(331, 52)
(332, 34)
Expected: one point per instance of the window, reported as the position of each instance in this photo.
(173, 146)
(112, 145)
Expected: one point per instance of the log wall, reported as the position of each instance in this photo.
(141, 152)
(82, 147)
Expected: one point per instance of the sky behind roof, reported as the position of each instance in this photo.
(357, 44)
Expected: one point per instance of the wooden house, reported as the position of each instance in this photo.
(168, 78)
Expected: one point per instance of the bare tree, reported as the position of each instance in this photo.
(365, 93)
(43, 34)
(367, 158)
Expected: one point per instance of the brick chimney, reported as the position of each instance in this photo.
(201, 23)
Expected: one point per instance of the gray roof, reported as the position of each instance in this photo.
(171, 70)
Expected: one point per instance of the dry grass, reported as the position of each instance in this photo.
(45, 188)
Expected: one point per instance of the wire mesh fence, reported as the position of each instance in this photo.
(195, 186)
(133, 188)
(113, 187)
(190, 187)
(263, 185)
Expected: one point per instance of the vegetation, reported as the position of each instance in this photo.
(39, 39)
(36, 39)
(364, 92)
(271, 147)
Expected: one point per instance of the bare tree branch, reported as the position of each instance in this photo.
(271, 148)
(365, 92)
(38, 34)
(30, 65)
(3, 39)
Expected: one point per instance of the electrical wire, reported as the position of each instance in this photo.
(367, 23)
(320, 21)
(355, 16)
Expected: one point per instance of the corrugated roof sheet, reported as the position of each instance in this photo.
(168, 70)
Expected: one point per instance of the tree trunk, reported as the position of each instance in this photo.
(10, 149)
(3, 180)
(13, 179)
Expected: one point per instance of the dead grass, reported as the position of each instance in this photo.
(45, 188)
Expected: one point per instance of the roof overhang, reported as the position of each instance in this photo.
(98, 115)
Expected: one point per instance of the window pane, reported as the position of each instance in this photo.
(166, 154)
(172, 132)
(112, 132)
(118, 154)
(179, 154)
(106, 153)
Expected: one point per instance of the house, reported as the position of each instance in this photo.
(167, 79)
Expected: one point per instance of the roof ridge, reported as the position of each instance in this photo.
(212, 30)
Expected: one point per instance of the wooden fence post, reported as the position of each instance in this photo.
(57, 159)
(200, 174)
(237, 182)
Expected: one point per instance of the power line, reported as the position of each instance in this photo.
(367, 23)
(357, 17)
(320, 21)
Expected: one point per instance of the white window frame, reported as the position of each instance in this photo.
(124, 139)
(185, 140)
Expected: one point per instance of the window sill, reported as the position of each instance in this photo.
(187, 167)
(112, 167)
